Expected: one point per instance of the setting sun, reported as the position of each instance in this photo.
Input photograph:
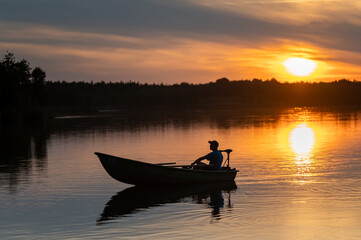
(300, 67)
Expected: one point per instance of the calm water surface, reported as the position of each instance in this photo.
(300, 177)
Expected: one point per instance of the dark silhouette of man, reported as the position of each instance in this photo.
(215, 157)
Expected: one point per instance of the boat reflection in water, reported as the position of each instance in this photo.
(134, 199)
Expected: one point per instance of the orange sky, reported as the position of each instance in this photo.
(183, 41)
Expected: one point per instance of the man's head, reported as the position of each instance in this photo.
(213, 145)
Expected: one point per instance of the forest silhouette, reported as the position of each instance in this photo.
(26, 94)
(222, 92)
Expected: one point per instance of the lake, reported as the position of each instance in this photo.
(299, 176)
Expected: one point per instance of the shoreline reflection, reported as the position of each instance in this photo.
(138, 198)
(23, 153)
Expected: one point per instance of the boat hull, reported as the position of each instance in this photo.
(141, 173)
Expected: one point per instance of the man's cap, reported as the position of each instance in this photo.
(214, 142)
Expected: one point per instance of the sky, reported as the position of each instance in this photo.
(174, 41)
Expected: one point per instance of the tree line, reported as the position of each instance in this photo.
(22, 90)
(245, 93)
(25, 93)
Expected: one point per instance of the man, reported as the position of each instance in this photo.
(215, 158)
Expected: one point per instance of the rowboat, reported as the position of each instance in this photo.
(139, 198)
(142, 173)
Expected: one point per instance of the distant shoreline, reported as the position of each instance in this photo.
(223, 92)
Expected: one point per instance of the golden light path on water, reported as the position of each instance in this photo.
(302, 141)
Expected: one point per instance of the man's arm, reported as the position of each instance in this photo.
(199, 160)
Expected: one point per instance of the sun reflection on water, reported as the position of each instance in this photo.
(302, 140)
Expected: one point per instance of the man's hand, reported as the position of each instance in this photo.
(195, 162)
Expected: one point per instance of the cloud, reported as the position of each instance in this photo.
(290, 12)
(247, 21)
(135, 18)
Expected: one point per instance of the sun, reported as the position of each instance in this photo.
(300, 67)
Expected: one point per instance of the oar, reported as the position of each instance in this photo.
(180, 166)
(164, 164)
(168, 163)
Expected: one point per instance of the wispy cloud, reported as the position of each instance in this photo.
(291, 12)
